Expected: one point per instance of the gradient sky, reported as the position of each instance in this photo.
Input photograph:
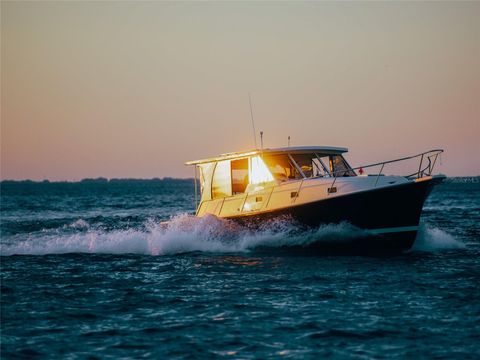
(135, 89)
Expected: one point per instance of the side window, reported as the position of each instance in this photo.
(258, 171)
(239, 176)
(321, 166)
(206, 173)
(339, 166)
(281, 168)
(305, 162)
(222, 181)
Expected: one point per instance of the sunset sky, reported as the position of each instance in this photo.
(135, 89)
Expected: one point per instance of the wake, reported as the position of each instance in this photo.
(186, 233)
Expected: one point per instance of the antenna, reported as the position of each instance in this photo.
(261, 139)
(253, 122)
(288, 140)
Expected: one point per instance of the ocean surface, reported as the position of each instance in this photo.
(121, 269)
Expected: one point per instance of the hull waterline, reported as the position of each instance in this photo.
(390, 215)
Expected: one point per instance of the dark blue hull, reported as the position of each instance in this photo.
(391, 214)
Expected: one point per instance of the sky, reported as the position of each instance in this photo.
(135, 89)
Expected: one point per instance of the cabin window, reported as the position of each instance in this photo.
(306, 163)
(282, 168)
(258, 171)
(206, 172)
(222, 182)
(239, 176)
(321, 166)
(339, 167)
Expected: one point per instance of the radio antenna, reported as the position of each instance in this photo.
(253, 121)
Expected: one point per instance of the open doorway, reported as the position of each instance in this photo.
(239, 176)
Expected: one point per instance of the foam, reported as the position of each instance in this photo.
(186, 233)
(433, 239)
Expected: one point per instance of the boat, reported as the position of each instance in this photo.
(315, 185)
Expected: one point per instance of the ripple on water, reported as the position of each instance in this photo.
(91, 287)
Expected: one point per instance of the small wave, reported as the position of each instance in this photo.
(433, 239)
(79, 224)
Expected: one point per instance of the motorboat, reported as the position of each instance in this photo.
(313, 186)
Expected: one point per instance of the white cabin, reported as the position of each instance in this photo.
(242, 183)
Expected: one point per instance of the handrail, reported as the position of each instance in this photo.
(427, 170)
(298, 190)
(436, 151)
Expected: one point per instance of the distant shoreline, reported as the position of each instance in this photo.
(98, 181)
(101, 180)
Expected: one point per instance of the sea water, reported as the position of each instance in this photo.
(122, 269)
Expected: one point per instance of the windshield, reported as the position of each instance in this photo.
(322, 165)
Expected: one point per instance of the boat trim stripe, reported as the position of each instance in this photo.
(393, 229)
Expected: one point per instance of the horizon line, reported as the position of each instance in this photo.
(104, 179)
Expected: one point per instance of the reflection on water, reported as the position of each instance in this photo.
(234, 260)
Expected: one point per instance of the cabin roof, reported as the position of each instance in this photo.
(290, 150)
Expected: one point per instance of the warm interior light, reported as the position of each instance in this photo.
(258, 172)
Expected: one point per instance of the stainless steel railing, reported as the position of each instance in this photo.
(428, 160)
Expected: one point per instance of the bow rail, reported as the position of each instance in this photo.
(428, 160)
